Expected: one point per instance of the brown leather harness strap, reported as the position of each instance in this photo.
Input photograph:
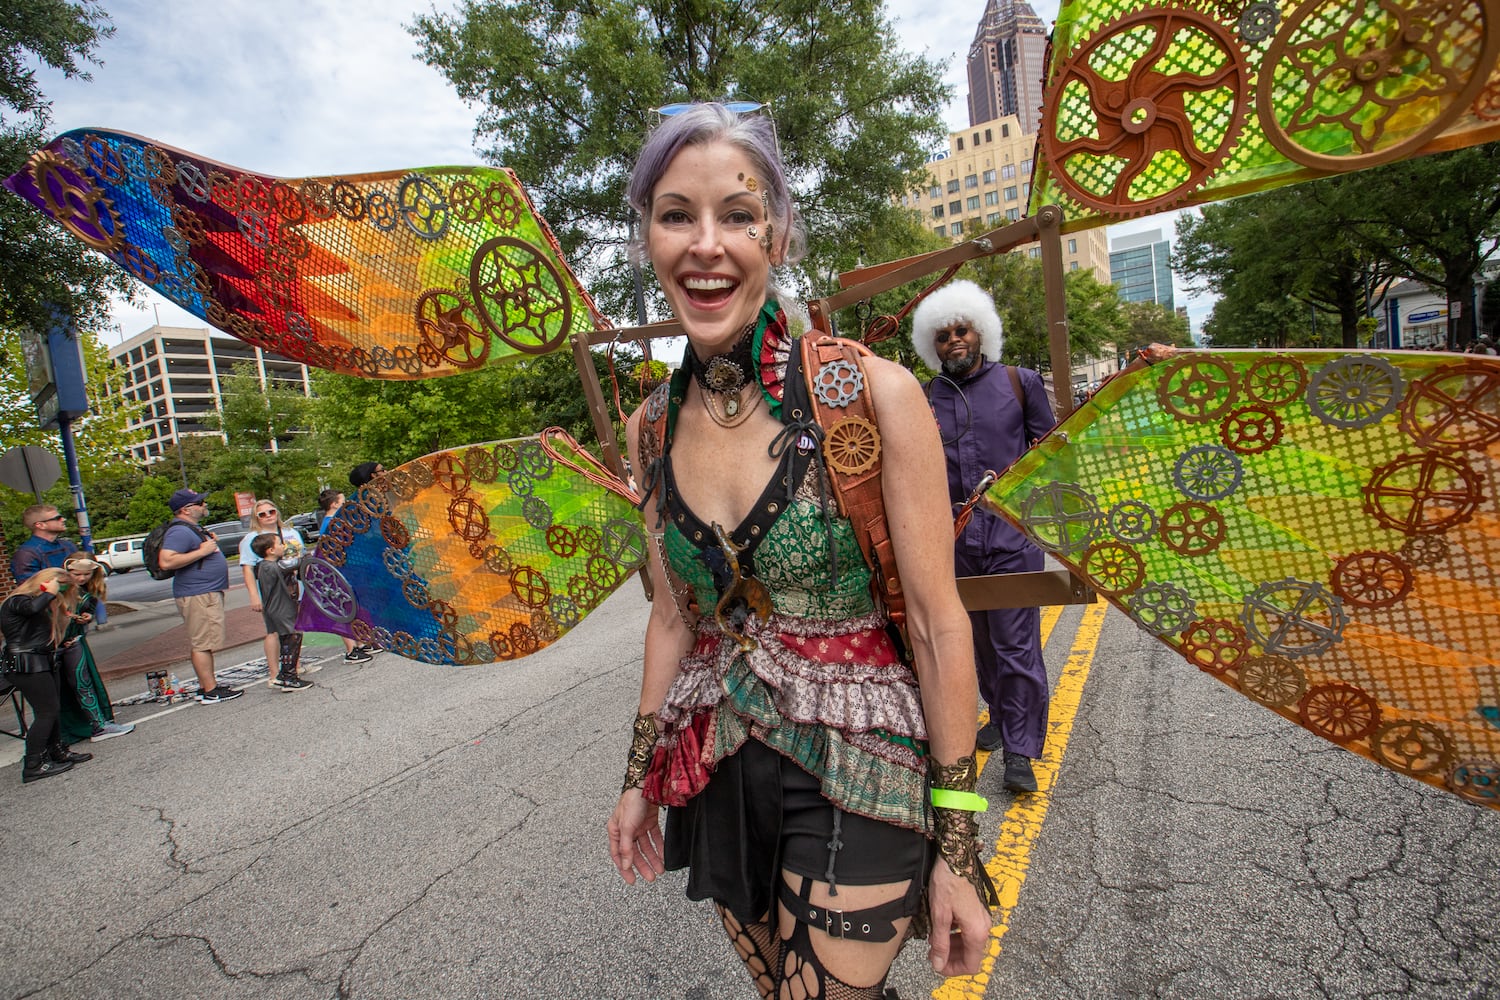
(858, 491)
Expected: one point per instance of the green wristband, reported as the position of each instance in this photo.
(947, 798)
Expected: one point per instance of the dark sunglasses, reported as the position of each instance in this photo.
(943, 336)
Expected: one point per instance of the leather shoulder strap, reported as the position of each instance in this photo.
(1015, 384)
(844, 407)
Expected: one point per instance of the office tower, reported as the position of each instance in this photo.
(1006, 64)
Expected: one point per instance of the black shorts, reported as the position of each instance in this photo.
(761, 813)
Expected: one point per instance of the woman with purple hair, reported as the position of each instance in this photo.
(818, 764)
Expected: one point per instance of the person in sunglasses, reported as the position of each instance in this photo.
(818, 769)
(265, 518)
(988, 414)
(46, 548)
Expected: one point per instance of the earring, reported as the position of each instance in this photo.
(765, 240)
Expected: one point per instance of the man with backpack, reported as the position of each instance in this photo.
(989, 413)
(200, 580)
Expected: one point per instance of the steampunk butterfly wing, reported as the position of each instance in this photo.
(403, 275)
(1317, 530)
(474, 555)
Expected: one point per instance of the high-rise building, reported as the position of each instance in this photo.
(1006, 64)
(1141, 264)
(179, 372)
(982, 181)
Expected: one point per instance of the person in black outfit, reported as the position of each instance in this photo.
(34, 619)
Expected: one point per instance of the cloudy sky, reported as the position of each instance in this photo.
(305, 87)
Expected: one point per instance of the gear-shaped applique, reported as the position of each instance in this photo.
(1214, 645)
(852, 446)
(1142, 112)
(1476, 780)
(839, 383)
(1294, 618)
(1424, 550)
(1424, 494)
(1417, 748)
(1251, 430)
(1457, 407)
(1062, 518)
(1354, 391)
(537, 512)
(1132, 521)
(1339, 712)
(1272, 680)
(1162, 608)
(1258, 21)
(329, 590)
(1371, 579)
(1113, 569)
(1207, 472)
(1196, 388)
(75, 201)
(1192, 528)
(1346, 86)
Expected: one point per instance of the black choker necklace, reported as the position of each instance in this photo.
(727, 373)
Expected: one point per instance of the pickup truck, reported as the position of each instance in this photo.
(120, 555)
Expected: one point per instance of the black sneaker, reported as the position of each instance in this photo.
(1018, 773)
(988, 737)
(292, 684)
(218, 694)
(358, 655)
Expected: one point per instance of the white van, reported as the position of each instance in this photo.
(120, 555)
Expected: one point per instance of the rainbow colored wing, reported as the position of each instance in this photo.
(406, 274)
(1151, 106)
(474, 555)
(1318, 530)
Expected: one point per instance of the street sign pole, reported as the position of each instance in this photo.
(75, 483)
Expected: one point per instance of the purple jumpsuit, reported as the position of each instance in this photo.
(989, 429)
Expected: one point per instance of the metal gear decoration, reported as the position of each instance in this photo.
(1456, 408)
(1132, 521)
(450, 473)
(468, 519)
(397, 563)
(1272, 680)
(1258, 21)
(1350, 84)
(1113, 569)
(450, 326)
(534, 460)
(382, 211)
(422, 206)
(1197, 388)
(852, 445)
(1339, 712)
(623, 543)
(482, 464)
(1424, 550)
(1293, 618)
(1137, 118)
(329, 590)
(519, 295)
(1275, 381)
(838, 383)
(1354, 391)
(562, 541)
(1162, 608)
(530, 586)
(1062, 518)
(1476, 780)
(1371, 579)
(394, 533)
(1214, 645)
(1416, 748)
(76, 202)
(1192, 528)
(537, 512)
(1207, 472)
(1424, 494)
(1251, 430)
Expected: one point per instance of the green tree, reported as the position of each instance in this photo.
(268, 451)
(1015, 280)
(41, 266)
(1149, 323)
(566, 90)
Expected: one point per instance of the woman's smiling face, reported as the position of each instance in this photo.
(705, 240)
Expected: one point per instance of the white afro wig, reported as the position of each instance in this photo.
(955, 302)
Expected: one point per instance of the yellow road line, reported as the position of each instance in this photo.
(1023, 820)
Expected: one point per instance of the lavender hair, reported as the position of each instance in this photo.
(753, 135)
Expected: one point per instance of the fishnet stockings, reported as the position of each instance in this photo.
(790, 969)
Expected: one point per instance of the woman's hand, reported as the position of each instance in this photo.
(635, 838)
(960, 924)
(84, 618)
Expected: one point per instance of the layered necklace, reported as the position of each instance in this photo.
(722, 379)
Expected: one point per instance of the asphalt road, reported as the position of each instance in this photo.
(409, 831)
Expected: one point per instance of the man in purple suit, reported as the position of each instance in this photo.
(989, 413)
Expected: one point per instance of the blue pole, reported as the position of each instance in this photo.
(75, 482)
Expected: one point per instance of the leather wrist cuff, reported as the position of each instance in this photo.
(957, 830)
(642, 745)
